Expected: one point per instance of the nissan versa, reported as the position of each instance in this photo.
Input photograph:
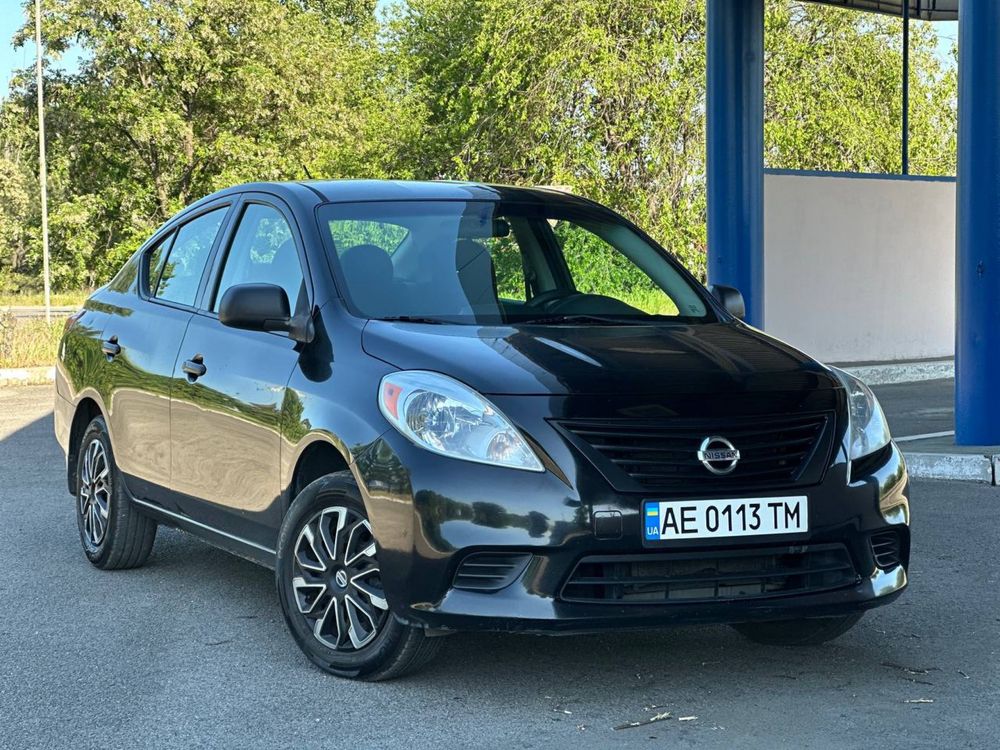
(447, 406)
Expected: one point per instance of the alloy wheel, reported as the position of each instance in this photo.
(336, 579)
(95, 492)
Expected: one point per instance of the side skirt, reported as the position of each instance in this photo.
(248, 550)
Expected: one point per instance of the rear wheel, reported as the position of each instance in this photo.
(113, 533)
(330, 588)
(810, 632)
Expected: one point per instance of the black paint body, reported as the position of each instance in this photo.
(222, 457)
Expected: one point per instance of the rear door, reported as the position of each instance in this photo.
(141, 338)
(226, 421)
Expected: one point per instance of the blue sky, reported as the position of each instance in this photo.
(11, 19)
(11, 59)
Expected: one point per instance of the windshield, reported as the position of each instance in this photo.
(488, 263)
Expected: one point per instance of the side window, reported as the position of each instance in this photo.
(153, 260)
(599, 269)
(263, 252)
(508, 265)
(186, 260)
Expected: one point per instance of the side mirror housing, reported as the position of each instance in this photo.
(730, 298)
(262, 307)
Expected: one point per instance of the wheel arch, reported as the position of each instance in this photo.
(87, 409)
(317, 458)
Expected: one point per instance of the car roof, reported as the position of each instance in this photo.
(343, 191)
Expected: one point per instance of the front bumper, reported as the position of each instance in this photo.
(429, 517)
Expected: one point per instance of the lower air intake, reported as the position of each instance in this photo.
(710, 576)
(885, 549)
(487, 571)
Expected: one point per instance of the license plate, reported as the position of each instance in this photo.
(715, 519)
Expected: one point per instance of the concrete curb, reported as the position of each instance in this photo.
(902, 372)
(954, 466)
(27, 375)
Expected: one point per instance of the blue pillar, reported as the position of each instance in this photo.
(735, 142)
(977, 325)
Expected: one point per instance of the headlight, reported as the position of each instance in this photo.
(447, 417)
(867, 428)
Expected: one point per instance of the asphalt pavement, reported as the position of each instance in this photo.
(190, 651)
(918, 408)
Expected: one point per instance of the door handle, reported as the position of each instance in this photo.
(111, 348)
(194, 368)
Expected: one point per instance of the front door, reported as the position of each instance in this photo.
(229, 387)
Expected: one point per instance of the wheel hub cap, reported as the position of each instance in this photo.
(95, 492)
(336, 579)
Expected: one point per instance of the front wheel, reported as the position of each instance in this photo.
(811, 632)
(330, 588)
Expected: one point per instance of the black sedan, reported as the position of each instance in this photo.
(442, 406)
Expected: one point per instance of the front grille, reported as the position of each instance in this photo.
(662, 454)
(710, 576)
(885, 549)
(489, 572)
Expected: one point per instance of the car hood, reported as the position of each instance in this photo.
(599, 360)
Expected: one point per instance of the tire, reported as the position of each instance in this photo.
(333, 600)
(114, 534)
(811, 632)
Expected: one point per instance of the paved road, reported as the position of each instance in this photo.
(38, 311)
(190, 651)
(918, 408)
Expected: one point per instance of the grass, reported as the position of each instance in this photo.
(37, 299)
(28, 342)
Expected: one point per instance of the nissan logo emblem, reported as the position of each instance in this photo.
(718, 455)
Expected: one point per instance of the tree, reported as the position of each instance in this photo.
(834, 93)
(177, 98)
(605, 97)
(608, 97)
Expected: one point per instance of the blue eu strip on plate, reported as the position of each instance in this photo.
(652, 522)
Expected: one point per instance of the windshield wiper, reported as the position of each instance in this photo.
(412, 319)
(603, 320)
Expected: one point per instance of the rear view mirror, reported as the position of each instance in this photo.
(731, 299)
(261, 307)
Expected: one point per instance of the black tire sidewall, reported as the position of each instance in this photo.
(334, 489)
(98, 430)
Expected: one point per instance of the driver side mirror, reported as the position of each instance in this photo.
(730, 298)
(262, 307)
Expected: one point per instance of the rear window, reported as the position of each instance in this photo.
(154, 260)
(181, 275)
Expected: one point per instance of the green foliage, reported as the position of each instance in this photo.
(177, 98)
(834, 92)
(348, 233)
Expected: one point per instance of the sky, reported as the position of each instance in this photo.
(11, 18)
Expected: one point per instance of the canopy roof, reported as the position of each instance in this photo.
(928, 10)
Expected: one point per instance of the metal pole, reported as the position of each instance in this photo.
(735, 149)
(906, 87)
(977, 270)
(42, 169)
